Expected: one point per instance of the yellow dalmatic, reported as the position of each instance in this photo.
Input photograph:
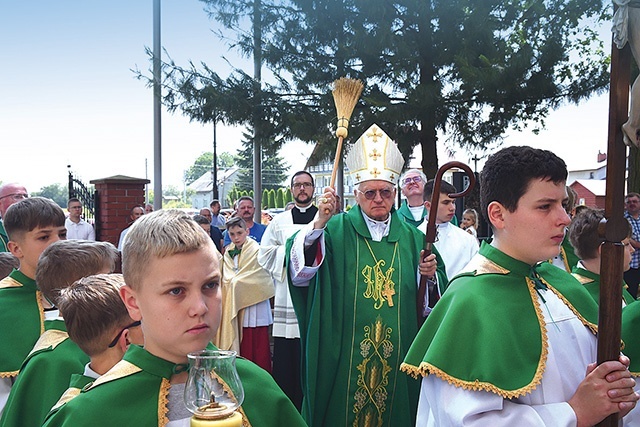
(243, 285)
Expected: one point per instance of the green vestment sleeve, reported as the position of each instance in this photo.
(44, 376)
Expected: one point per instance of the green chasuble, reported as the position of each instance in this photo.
(630, 331)
(21, 321)
(405, 214)
(4, 239)
(135, 393)
(494, 314)
(44, 376)
(591, 282)
(357, 319)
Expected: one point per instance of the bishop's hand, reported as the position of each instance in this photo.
(327, 203)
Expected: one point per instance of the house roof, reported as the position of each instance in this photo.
(596, 186)
(203, 184)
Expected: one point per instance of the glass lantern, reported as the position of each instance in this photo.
(213, 391)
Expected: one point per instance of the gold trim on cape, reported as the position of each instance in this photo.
(51, 338)
(121, 369)
(480, 264)
(69, 394)
(163, 402)
(582, 279)
(10, 282)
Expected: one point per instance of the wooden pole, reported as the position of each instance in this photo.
(614, 226)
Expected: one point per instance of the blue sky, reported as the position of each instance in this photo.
(68, 96)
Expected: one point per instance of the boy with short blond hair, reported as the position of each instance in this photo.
(170, 267)
(32, 224)
(44, 374)
(246, 290)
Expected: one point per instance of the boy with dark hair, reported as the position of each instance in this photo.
(44, 374)
(32, 224)
(525, 330)
(8, 262)
(587, 243)
(99, 323)
(456, 246)
(246, 290)
(172, 277)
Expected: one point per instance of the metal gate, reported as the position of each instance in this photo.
(89, 199)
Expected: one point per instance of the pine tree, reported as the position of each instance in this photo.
(274, 167)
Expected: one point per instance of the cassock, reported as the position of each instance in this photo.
(357, 317)
(286, 334)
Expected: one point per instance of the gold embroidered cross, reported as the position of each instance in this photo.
(375, 172)
(388, 291)
(374, 134)
(375, 155)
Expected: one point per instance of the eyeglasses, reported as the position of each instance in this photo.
(299, 185)
(132, 325)
(16, 196)
(408, 180)
(385, 193)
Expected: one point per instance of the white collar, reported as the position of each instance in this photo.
(377, 229)
(303, 209)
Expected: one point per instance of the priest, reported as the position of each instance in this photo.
(354, 280)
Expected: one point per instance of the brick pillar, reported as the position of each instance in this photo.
(117, 195)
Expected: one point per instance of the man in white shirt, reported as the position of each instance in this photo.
(455, 245)
(77, 228)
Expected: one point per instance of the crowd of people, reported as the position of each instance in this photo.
(324, 307)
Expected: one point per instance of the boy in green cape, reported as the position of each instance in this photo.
(32, 225)
(172, 276)
(99, 323)
(513, 340)
(45, 373)
(584, 236)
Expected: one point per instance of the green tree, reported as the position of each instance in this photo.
(274, 168)
(280, 198)
(56, 192)
(467, 69)
(272, 198)
(470, 69)
(204, 162)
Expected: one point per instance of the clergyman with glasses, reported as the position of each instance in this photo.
(412, 209)
(354, 282)
(286, 334)
(9, 194)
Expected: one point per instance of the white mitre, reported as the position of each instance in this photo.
(374, 156)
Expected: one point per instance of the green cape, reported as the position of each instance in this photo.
(44, 374)
(405, 214)
(591, 282)
(478, 309)
(351, 349)
(629, 333)
(134, 393)
(21, 321)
